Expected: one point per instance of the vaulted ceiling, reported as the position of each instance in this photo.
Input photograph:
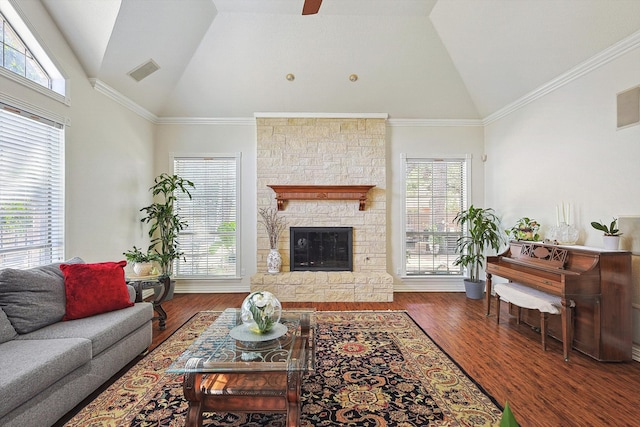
(421, 59)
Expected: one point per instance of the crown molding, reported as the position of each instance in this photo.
(113, 94)
(250, 121)
(622, 47)
(614, 51)
(323, 115)
(433, 122)
(234, 121)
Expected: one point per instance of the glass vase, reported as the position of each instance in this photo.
(564, 234)
(260, 311)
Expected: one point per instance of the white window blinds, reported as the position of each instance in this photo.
(31, 189)
(435, 192)
(210, 242)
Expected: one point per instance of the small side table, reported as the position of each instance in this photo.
(155, 282)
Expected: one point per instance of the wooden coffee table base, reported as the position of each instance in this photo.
(242, 392)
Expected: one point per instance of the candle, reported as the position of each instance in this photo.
(557, 217)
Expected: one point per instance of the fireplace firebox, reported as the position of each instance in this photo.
(321, 249)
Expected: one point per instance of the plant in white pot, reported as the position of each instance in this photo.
(611, 237)
(483, 231)
(142, 261)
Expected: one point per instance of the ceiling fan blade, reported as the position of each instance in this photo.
(311, 7)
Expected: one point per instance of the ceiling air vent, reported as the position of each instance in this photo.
(144, 70)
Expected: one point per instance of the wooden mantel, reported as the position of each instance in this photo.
(321, 192)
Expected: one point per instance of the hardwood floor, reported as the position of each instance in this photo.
(506, 359)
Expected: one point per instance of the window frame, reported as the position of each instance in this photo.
(38, 49)
(55, 190)
(237, 157)
(466, 197)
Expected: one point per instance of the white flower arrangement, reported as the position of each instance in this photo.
(263, 309)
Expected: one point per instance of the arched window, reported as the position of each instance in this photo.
(24, 59)
(16, 57)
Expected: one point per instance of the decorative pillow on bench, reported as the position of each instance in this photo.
(94, 288)
(33, 298)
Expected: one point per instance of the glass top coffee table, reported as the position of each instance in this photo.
(252, 374)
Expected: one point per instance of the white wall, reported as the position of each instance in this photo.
(108, 154)
(565, 147)
(220, 139)
(109, 158)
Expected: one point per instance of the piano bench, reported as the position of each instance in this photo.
(525, 297)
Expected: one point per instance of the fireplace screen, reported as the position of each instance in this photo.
(321, 249)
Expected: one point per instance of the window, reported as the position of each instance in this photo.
(17, 58)
(32, 190)
(210, 242)
(23, 58)
(435, 191)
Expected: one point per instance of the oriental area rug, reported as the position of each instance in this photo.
(373, 368)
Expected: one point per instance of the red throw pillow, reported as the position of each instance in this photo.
(94, 288)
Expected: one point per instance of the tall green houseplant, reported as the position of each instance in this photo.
(483, 232)
(165, 221)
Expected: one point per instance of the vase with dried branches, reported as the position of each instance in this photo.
(274, 225)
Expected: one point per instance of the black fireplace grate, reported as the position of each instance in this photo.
(321, 249)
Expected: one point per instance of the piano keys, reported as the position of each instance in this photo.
(596, 281)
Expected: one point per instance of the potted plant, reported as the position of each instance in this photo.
(611, 237)
(483, 232)
(142, 261)
(525, 229)
(274, 225)
(165, 222)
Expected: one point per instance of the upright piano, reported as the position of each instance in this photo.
(594, 285)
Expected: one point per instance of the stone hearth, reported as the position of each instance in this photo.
(326, 286)
(325, 151)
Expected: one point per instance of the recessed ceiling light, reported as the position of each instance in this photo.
(290, 77)
(353, 77)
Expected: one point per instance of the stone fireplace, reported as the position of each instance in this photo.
(322, 151)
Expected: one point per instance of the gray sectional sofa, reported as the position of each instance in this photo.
(47, 365)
